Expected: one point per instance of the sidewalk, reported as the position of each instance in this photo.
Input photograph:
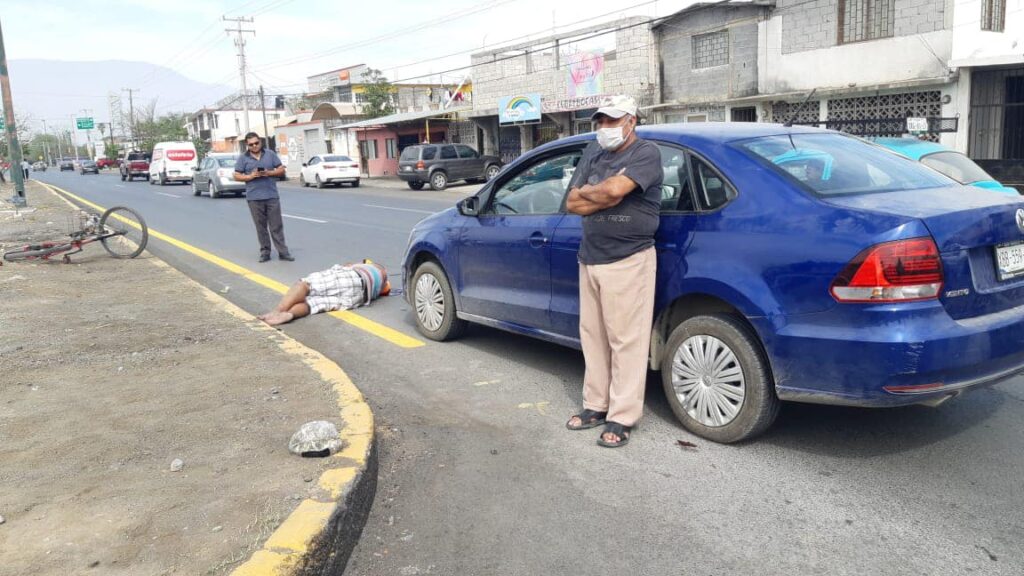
(112, 369)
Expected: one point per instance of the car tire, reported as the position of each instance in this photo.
(355, 184)
(415, 185)
(434, 304)
(319, 182)
(195, 189)
(438, 181)
(302, 181)
(161, 179)
(491, 171)
(744, 377)
(211, 189)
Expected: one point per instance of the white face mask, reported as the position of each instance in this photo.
(610, 138)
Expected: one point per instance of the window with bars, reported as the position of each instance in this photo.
(861, 20)
(993, 15)
(710, 50)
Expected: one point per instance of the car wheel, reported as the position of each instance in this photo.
(211, 189)
(717, 380)
(434, 304)
(195, 189)
(415, 185)
(491, 172)
(302, 181)
(161, 179)
(319, 182)
(438, 181)
(355, 184)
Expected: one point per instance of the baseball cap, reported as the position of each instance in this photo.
(617, 108)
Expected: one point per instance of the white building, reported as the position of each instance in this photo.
(224, 129)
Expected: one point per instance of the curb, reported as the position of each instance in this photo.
(318, 537)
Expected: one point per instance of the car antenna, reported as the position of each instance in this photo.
(799, 109)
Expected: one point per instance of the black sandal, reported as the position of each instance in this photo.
(588, 419)
(619, 430)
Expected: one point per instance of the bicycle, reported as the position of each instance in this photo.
(121, 230)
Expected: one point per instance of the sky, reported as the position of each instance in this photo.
(294, 39)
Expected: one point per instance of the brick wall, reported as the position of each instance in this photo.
(682, 82)
(814, 24)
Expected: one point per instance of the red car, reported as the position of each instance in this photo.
(108, 163)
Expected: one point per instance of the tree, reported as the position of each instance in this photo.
(113, 151)
(378, 93)
(150, 128)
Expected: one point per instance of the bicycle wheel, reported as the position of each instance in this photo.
(130, 232)
(36, 251)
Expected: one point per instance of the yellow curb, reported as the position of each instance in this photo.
(361, 322)
(287, 545)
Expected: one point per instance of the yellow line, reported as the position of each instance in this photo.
(379, 330)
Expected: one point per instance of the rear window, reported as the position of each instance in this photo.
(410, 153)
(138, 156)
(337, 159)
(833, 164)
(227, 162)
(956, 166)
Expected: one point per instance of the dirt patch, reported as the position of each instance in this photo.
(109, 371)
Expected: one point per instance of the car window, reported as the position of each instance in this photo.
(956, 166)
(314, 160)
(410, 153)
(466, 152)
(430, 152)
(830, 164)
(537, 189)
(713, 191)
(448, 153)
(226, 162)
(675, 186)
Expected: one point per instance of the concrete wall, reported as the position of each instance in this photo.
(292, 146)
(813, 25)
(683, 83)
(632, 70)
(973, 46)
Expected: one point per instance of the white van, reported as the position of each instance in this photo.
(172, 162)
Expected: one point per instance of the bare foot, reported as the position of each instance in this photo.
(275, 318)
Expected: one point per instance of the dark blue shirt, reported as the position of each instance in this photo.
(263, 188)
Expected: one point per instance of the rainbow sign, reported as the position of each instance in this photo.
(519, 109)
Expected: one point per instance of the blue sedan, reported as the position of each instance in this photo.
(794, 264)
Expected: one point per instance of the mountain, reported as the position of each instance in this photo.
(54, 89)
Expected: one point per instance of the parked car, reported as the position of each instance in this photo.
(950, 162)
(879, 283)
(67, 164)
(440, 164)
(108, 162)
(215, 176)
(39, 166)
(172, 162)
(135, 165)
(324, 169)
(88, 167)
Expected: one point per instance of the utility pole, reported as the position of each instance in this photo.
(13, 147)
(46, 144)
(74, 136)
(240, 43)
(263, 107)
(131, 113)
(88, 134)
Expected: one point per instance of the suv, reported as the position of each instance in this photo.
(440, 164)
(136, 164)
(67, 164)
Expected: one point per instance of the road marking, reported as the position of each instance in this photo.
(168, 195)
(119, 185)
(399, 209)
(304, 218)
(542, 407)
(486, 382)
(381, 331)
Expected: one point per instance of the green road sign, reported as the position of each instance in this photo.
(3, 126)
(85, 123)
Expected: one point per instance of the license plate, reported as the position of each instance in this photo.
(407, 168)
(1010, 260)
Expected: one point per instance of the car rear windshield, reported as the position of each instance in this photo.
(833, 164)
(411, 153)
(227, 162)
(138, 156)
(337, 159)
(956, 166)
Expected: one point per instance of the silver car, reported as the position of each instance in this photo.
(214, 175)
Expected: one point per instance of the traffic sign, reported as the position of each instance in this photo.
(3, 126)
(85, 123)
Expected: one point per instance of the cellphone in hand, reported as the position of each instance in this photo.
(261, 169)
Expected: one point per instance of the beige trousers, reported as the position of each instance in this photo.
(616, 311)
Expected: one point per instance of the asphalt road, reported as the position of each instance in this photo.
(478, 475)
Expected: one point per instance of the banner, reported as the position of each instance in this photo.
(585, 74)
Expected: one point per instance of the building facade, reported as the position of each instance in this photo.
(224, 129)
(535, 92)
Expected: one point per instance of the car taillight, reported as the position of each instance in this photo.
(901, 271)
(353, 165)
(420, 165)
(329, 166)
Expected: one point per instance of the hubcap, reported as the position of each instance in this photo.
(438, 181)
(708, 380)
(429, 302)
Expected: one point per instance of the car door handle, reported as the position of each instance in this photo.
(537, 240)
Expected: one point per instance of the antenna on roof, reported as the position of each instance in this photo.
(799, 109)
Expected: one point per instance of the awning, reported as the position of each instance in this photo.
(403, 117)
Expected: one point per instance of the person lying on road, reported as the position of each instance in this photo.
(337, 288)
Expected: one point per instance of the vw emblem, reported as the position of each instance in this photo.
(1020, 219)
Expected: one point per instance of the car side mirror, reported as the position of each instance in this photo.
(469, 206)
(304, 164)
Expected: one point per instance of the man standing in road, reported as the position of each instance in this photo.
(259, 168)
(26, 168)
(617, 190)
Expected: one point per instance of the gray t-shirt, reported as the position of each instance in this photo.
(263, 188)
(628, 227)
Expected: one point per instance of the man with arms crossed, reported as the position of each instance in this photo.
(617, 190)
(258, 168)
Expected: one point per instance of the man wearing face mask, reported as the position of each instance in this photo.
(617, 190)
